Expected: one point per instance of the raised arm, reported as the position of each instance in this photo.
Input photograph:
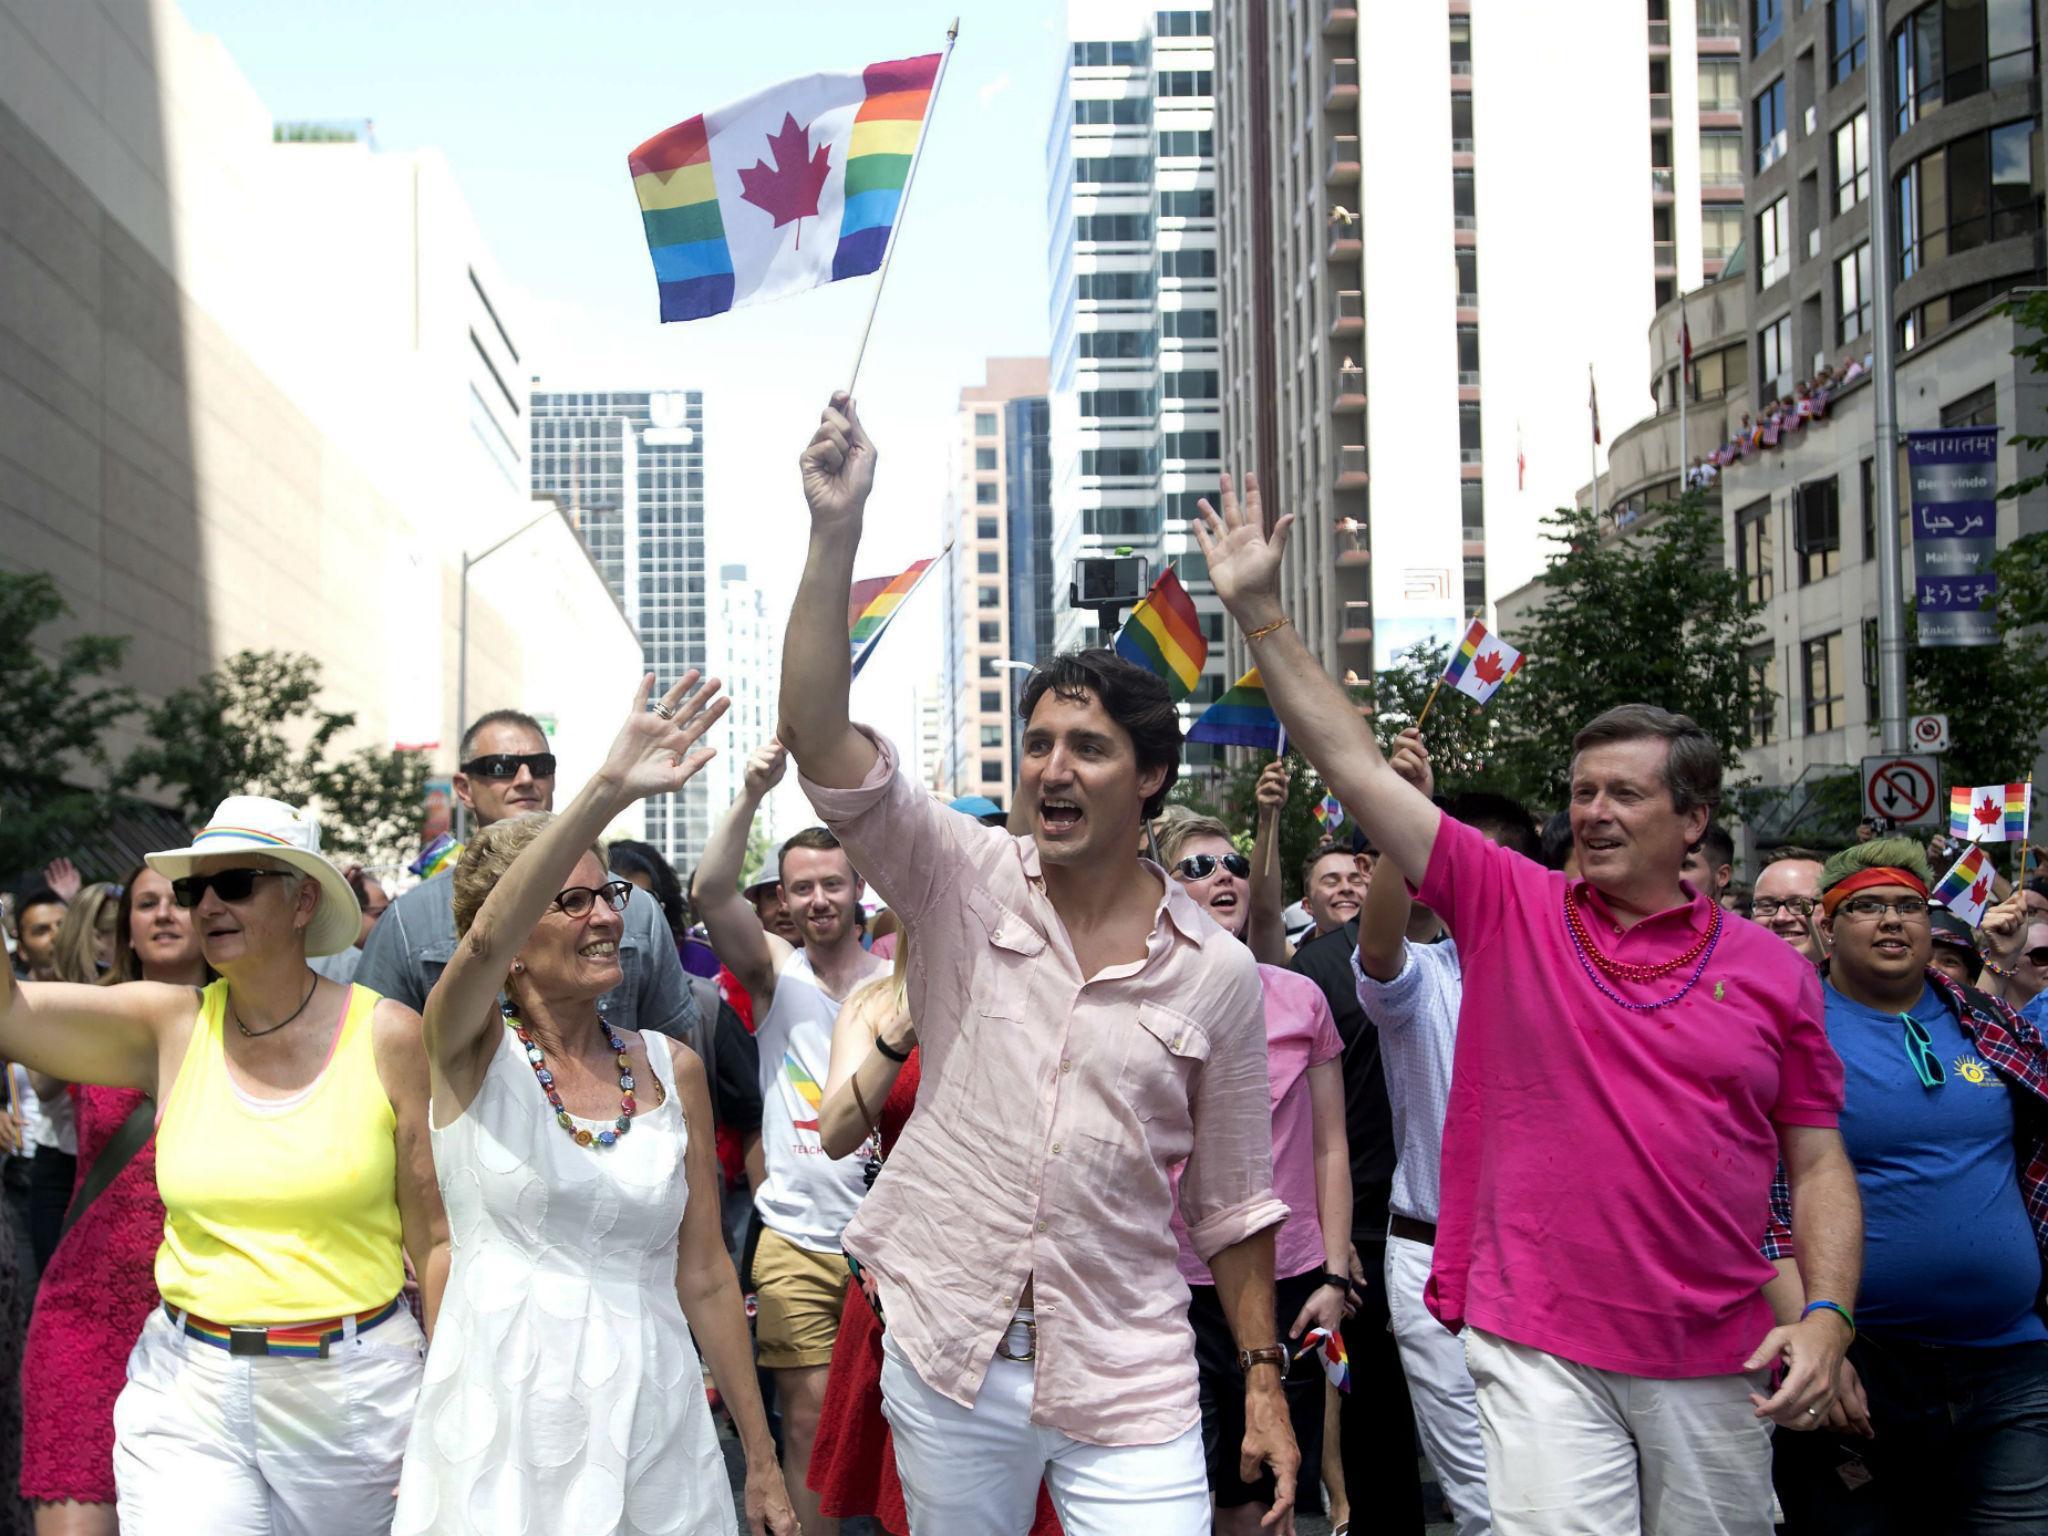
(870, 1015)
(83, 1034)
(1321, 721)
(746, 948)
(817, 664)
(1383, 920)
(655, 753)
(1266, 929)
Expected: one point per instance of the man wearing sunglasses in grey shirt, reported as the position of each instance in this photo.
(507, 770)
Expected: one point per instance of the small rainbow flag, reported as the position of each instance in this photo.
(1966, 889)
(1328, 813)
(1988, 813)
(1328, 1346)
(442, 853)
(873, 603)
(1240, 718)
(791, 188)
(1484, 661)
(1164, 635)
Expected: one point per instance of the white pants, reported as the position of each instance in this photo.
(237, 1445)
(975, 1471)
(1574, 1451)
(1439, 1387)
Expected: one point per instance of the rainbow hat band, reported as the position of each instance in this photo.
(286, 835)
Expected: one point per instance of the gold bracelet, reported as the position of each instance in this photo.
(1266, 629)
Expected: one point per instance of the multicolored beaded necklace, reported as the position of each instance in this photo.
(582, 1137)
(1595, 962)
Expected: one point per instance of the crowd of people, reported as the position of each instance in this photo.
(1088, 1187)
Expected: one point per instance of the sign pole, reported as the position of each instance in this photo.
(1891, 610)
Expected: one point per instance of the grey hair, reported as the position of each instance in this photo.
(1692, 765)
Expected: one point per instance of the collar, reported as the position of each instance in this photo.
(1691, 913)
(1175, 905)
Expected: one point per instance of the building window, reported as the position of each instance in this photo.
(1125, 111)
(1121, 54)
(1188, 324)
(1753, 551)
(1720, 232)
(1817, 530)
(1114, 228)
(1979, 408)
(993, 773)
(1720, 85)
(988, 562)
(1766, 20)
(988, 597)
(987, 493)
(1720, 157)
(1461, 45)
(1118, 345)
(991, 701)
(991, 667)
(991, 735)
(1950, 50)
(1848, 35)
(1774, 358)
(1873, 710)
(1113, 170)
(1867, 480)
(1191, 384)
(1852, 293)
(991, 632)
(1198, 203)
(1973, 190)
(1181, 24)
(1185, 82)
(1105, 404)
(1468, 432)
(1774, 243)
(1820, 669)
(1763, 709)
(987, 528)
(1464, 210)
(1771, 138)
(984, 458)
(1852, 162)
(1187, 263)
(1115, 287)
(984, 423)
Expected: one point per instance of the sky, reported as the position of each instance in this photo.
(536, 106)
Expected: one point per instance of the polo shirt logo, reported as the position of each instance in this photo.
(1971, 1070)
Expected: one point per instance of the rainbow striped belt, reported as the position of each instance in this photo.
(302, 1341)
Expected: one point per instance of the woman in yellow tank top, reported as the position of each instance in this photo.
(274, 1389)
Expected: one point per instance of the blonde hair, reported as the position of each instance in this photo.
(1174, 834)
(879, 996)
(76, 958)
(486, 857)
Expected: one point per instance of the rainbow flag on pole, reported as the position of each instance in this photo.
(1240, 718)
(1164, 635)
(873, 603)
(1484, 661)
(1989, 813)
(793, 187)
(1966, 889)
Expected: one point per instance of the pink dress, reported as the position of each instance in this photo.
(94, 1297)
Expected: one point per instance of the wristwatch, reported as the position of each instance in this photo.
(1331, 1277)
(1272, 1354)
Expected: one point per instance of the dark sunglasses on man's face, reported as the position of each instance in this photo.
(506, 765)
(1200, 866)
(227, 884)
(577, 899)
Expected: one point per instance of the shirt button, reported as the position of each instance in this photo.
(1055, 1148)
(1066, 1067)
(1041, 1226)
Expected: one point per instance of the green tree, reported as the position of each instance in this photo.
(370, 806)
(253, 728)
(1463, 736)
(1654, 617)
(1236, 806)
(53, 716)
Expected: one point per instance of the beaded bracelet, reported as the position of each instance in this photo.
(1829, 1306)
(2001, 972)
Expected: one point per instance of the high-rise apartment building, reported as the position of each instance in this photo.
(1436, 218)
(1136, 410)
(998, 519)
(746, 655)
(627, 466)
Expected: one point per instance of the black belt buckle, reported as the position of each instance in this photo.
(248, 1341)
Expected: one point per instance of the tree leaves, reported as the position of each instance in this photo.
(788, 191)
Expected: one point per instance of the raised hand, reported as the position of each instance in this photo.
(838, 466)
(1271, 791)
(1244, 564)
(62, 876)
(765, 768)
(1410, 759)
(656, 751)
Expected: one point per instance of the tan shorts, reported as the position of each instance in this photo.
(799, 1295)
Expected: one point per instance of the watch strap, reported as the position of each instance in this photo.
(1270, 1354)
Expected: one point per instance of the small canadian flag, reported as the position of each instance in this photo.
(1483, 662)
(1966, 889)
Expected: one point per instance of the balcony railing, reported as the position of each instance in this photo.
(1471, 456)
(1664, 253)
(1464, 221)
(1468, 378)
(1468, 301)
(1357, 623)
(1350, 395)
(1345, 243)
(1348, 317)
(1350, 466)
(1662, 180)
(1344, 159)
(1720, 176)
(1660, 34)
(1660, 106)
(1339, 15)
(1340, 85)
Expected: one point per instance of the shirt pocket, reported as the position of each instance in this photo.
(1006, 950)
(1161, 1057)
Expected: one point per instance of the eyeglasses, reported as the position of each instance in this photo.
(506, 765)
(1770, 906)
(227, 884)
(1920, 1052)
(1874, 907)
(577, 900)
(1200, 866)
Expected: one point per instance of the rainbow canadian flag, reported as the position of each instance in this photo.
(1966, 889)
(1484, 661)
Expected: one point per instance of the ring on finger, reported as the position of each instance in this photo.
(663, 708)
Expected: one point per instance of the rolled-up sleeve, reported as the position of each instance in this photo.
(904, 843)
(1226, 1189)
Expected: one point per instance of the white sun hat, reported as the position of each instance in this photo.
(254, 824)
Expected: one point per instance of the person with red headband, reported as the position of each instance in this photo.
(1941, 1418)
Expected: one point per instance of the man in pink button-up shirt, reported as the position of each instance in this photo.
(1084, 1029)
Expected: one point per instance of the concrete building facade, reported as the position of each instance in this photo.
(208, 461)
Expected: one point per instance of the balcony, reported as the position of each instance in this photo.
(1660, 34)
(1340, 86)
(1468, 378)
(1464, 221)
(1468, 301)
(1357, 622)
(1339, 16)
(1664, 255)
(1344, 161)
(1348, 397)
(1345, 243)
(1351, 558)
(1662, 181)
(1461, 72)
(1351, 474)
(1348, 319)
(1461, 146)
(1471, 456)
(1660, 106)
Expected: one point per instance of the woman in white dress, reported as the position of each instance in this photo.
(562, 1391)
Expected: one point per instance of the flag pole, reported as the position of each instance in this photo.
(903, 208)
(1429, 701)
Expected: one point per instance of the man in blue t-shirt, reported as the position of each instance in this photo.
(1941, 1423)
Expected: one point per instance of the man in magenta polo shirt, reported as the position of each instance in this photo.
(1631, 1063)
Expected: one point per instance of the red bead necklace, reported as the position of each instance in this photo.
(1629, 970)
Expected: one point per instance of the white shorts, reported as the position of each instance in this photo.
(238, 1445)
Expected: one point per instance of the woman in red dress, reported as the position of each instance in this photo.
(870, 1091)
(101, 1283)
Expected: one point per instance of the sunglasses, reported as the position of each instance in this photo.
(506, 765)
(227, 884)
(578, 899)
(1200, 866)
(2037, 956)
(1920, 1052)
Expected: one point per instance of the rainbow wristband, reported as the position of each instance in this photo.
(1829, 1306)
